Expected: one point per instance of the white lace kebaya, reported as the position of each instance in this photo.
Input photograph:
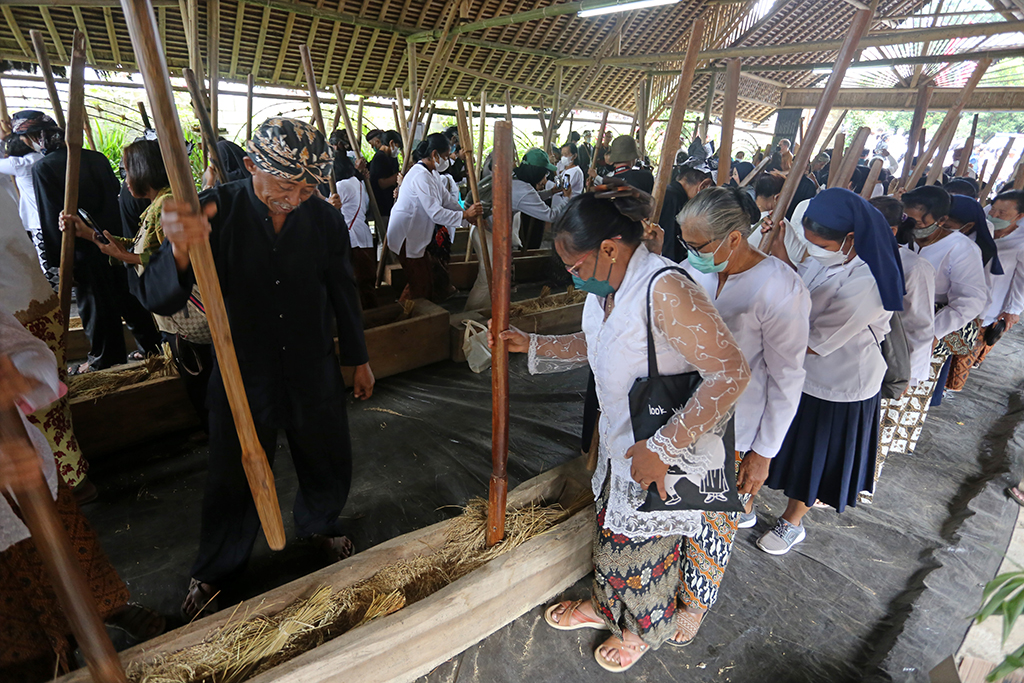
(688, 335)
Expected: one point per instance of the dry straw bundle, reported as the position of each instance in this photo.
(242, 649)
(98, 384)
(546, 302)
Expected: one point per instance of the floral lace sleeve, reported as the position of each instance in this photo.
(682, 312)
(557, 353)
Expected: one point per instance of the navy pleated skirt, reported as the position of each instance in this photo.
(829, 452)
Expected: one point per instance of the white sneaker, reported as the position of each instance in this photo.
(781, 538)
(748, 520)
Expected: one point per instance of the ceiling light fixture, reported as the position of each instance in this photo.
(623, 7)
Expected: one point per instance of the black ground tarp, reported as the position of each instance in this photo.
(882, 592)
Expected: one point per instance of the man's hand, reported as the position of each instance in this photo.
(209, 178)
(361, 167)
(183, 228)
(753, 472)
(362, 383)
(647, 467)
(335, 201)
(516, 340)
(472, 211)
(1010, 319)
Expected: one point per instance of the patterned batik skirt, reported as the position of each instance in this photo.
(636, 580)
(54, 421)
(34, 634)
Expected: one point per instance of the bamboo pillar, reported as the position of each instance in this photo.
(641, 120)
(249, 83)
(206, 129)
(88, 129)
(832, 133)
(732, 92)
(986, 190)
(508, 106)
(51, 86)
(314, 102)
(481, 222)
(935, 171)
(482, 133)
(950, 121)
(709, 102)
(359, 121)
(144, 115)
(836, 162)
(859, 26)
(150, 58)
(378, 221)
(73, 141)
(924, 97)
(500, 295)
(670, 147)
(851, 157)
(213, 63)
(968, 149)
(873, 173)
(5, 116)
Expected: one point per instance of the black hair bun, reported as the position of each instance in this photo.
(629, 201)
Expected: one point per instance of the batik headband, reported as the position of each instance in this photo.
(292, 150)
(30, 121)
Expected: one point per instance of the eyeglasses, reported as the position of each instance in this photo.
(692, 249)
(574, 269)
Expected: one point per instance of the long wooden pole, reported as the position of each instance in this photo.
(5, 116)
(213, 63)
(249, 83)
(836, 161)
(314, 103)
(924, 97)
(500, 296)
(359, 120)
(378, 221)
(59, 561)
(832, 132)
(986, 190)
(482, 133)
(967, 150)
(851, 157)
(481, 222)
(757, 169)
(935, 171)
(732, 93)
(670, 147)
(73, 140)
(88, 129)
(859, 26)
(508, 106)
(51, 86)
(950, 121)
(873, 173)
(150, 57)
(206, 129)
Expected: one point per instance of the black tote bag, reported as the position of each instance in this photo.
(652, 401)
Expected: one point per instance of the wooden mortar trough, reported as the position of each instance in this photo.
(414, 640)
(530, 267)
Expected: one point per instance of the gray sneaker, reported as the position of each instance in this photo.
(781, 538)
(748, 520)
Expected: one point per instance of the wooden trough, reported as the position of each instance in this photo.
(397, 342)
(414, 640)
(530, 267)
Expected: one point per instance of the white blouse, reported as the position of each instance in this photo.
(1007, 293)
(355, 201)
(689, 335)
(21, 169)
(573, 177)
(423, 202)
(767, 309)
(848, 324)
(793, 238)
(918, 315)
(22, 283)
(959, 281)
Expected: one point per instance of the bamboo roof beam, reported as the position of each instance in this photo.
(357, 83)
(18, 34)
(331, 45)
(871, 40)
(507, 20)
(260, 43)
(348, 57)
(161, 25)
(54, 36)
(289, 25)
(108, 19)
(80, 23)
(236, 40)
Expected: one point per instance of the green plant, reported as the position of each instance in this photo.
(1005, 595)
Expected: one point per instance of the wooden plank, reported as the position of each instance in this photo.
(260, 43)
(80, 23)
(115, 49)
(283, 52)
(529, 268)
(54, 35)
(236, 41)
(404, 345)
(78, 345)
(330, 55)
(16, 30)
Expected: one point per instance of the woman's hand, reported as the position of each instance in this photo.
(753, 473)
(361, 167)
(363, 381)
(335, 201)
(114, 249)
(183, 228)
(654, 237)
(69, 221)
(516, 341)
(472, 211)
(1010, 319)
(647, 467)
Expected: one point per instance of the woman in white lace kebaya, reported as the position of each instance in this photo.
(637, 555)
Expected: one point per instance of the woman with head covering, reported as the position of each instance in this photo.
(767, 308)
(967, 217)
(856, 280)
(17, 163)
(422, 204)
(639, 556)
(355, 202)
(961, 290)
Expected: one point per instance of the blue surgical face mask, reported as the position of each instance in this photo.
(592, 285)
(705, 263)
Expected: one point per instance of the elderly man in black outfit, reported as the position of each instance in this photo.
(282, 255)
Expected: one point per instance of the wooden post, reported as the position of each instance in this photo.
(935, 171)
(403, 122)
(249, 83)
(213, 63)
(859, 26)
(553, 125)
(51, 86)
(641, 120)
(73, 140)
(481, 222)
(851, 157)
(5, 116)
(88, 129)
(359, 122)
(398, 124)
(981, 173)
(732, 92)
(670, 147)
(950, 121)
(924, 97)
(968, 149)
(430, 117)
(508, 106)
(378, 220)
(757, 169)
(1018, 174)
(206, 129)
(40, 515)
(314, 102)
(873, 173)
(500, 295)
(836, 162)
(986, 190)
(482, 133)
(145, 116)
(709, 103)
(150, 57)
(832, 133)
(414, 88)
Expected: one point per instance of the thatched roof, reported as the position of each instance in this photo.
(362, 44)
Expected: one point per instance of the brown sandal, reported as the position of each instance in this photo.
(689, 623)
(613, 643)
(201, 598)
(571, 609)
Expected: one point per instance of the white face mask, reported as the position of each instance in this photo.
(37, 145)
(394, 152)
(922, 233)
(999, 223)
(561, 164)
(825, 257)
(442, 164)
